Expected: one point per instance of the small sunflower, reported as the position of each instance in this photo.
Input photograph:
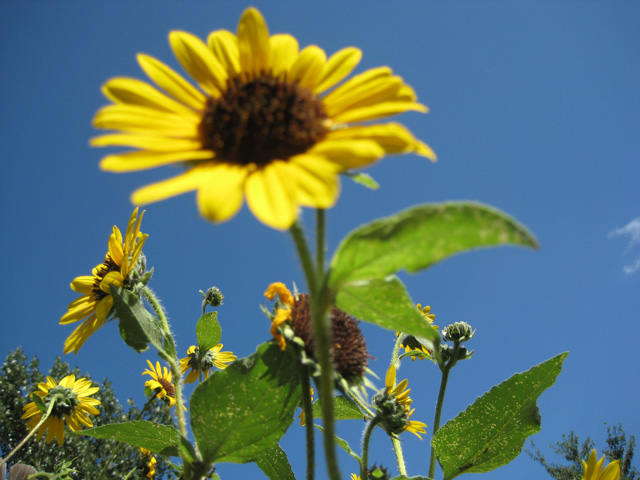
(161, 383)
(148, 468)
(96, 303)
(593, 468)
(202, 366)
(414, 346)
(349, 349)
(73, 403)
(269, 122)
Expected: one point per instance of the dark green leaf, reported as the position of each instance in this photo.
(344, 409)
(491, 432)
(386, 303)
(363, 179)
(160, 439)
(416, 238)
(137, 326)
(37, 399)
(343, 444)
(208, 331)
(275, 464)
(240, 412)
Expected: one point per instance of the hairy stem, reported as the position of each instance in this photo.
(307, 408)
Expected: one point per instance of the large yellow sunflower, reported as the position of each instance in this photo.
(73, 403)
(96, 303)
(270, 122)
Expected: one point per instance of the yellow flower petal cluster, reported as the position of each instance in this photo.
(593, 468)
(412, 344)
(213, 358)
(95, 304)
(267, 121)
(282, 314)
(161, 383)
(401, 394)
(150, 467)
(74, 404)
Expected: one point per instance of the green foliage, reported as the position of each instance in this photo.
(363, 179)
(19, 377)
(240, 412)
(344, 409)
(208, 331)
(137, 326)
(275, 464)
(160, 439)
(491, 432)
(572, 451)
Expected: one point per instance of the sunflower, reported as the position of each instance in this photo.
(72, 404)
(414, 346)
(148, 468)
(161, 383)
(199, 366)
(269, 122)
(96, 303)
(593, 468)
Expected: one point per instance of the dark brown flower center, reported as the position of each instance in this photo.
(168, 387)
(107, 266)
(262, 120)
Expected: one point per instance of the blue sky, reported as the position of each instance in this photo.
(534, 110)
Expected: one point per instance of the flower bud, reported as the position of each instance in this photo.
(458, 332)
(213, 297)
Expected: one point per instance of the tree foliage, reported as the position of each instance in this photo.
(573, 452)
(20, 376)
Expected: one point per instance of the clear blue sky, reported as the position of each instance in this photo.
(534, 110)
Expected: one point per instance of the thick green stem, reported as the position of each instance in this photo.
(31, 433)
(364, 464)
(397, 449)
(307, 408)
(320, 306)
(320, 241)
(443, 388)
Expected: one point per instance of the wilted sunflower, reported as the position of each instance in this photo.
(202, 366)
(270, 122)
(149, 462)
(96, 303)
(73, 403)
(593, 468)
(161, 383)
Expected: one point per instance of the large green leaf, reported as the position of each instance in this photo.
(386, 303)
(137, 326)
(275, 464)
(240, 412)
(491, 432)
(160, 439)
(208, 331)
(418, 237)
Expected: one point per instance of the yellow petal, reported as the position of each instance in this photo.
(349, 153)
(79, 309)
(104, 308)
(81, 334)
(280, 289)
(338, 67)
(145, 159)
(171, 82)
(147, 142)
(224, 46)
(186, 182)
(130, 91)
(307, 68)
(253, 42)
(83, 284)
(390, 378)
(111, 278)
(145, 120)
(378, 111)
(284, 51)
(318, 184)
(269, 196)
(199, 62)
(220, 194)
(371, 93)
(356, 83)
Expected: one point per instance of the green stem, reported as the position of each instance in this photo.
(396, 349)
(157, 308)
(113, 454)
(320, 305)
(397, 449)
(443, 387)
(308, 422)
(32, 432)
(362, 406)
(364, 464)
(320, 242)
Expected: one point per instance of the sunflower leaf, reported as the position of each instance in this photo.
(37, 399)
(386, 303)
(239, 413)
(343, 408)
(418, 237)
(137, 326)
(491, 432)
(275, 464)
(363, 179)
(159, 439)
(208, 331)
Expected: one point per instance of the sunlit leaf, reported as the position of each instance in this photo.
(491, 432)
(343, 409)
(208, 331)
(137, 326)
(275, 464)
(160, 439)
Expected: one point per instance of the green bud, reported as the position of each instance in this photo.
(379, 473)
(393, 414)
(213, 297)
(458, 332)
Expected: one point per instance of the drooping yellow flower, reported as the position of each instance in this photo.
(412, 344)
(149, 469)
(593, 468)
(161, 383)
(213, 358)
(73, 404)
(282, 314)
(401, 394)
(96, 303)
(269, 122)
